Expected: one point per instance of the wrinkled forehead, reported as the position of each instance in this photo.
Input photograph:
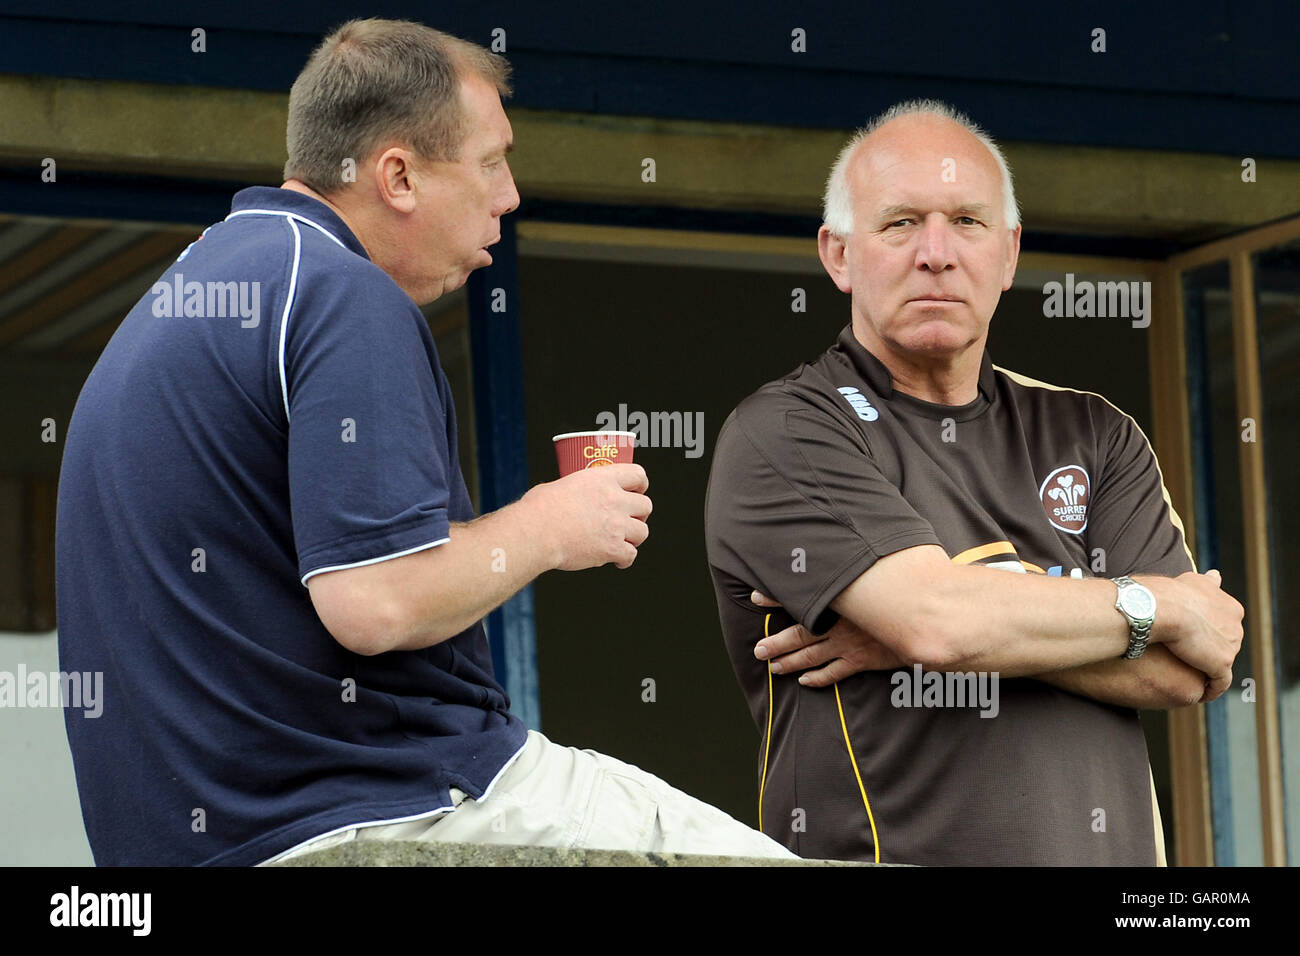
(914, 157)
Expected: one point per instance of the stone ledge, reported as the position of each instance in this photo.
(409, 853)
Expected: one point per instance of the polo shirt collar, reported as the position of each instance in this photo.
(274, 199)
(874, 372)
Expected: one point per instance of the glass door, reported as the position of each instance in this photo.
(1236, 335)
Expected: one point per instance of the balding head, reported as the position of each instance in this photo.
(929, 118)
(921, 231)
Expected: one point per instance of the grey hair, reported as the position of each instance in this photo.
(374, 81)
(837, 203)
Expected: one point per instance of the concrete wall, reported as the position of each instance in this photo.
(41, 820)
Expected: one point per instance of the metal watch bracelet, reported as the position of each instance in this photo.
(1140, 619)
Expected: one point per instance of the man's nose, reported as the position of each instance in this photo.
(934, 244)
(509, 199)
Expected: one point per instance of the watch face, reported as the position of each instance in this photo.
(1139, 603)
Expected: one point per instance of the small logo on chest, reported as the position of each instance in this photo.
(1065, 493)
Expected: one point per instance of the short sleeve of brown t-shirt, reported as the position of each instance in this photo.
(1132, 528)
(798, 507)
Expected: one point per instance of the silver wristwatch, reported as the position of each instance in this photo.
(1138, 605)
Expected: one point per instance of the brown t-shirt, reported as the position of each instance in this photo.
(817, 476)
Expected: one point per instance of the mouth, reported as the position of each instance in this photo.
(937, 297)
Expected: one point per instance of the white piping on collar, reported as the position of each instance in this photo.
(291, 215)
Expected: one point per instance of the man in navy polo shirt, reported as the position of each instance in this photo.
(264, 539)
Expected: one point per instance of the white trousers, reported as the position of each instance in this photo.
(564, 797)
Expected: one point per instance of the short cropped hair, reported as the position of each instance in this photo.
(837, 203)
(372, 81)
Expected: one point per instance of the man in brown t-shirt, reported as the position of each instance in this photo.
(917, 703)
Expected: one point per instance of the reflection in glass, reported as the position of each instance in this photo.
(1216, 446)
(1277, 307)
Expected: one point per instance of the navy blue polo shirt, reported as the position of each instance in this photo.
(273, 408)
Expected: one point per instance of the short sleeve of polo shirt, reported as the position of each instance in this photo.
(1129, 515)
(368, 443)
(798, 507)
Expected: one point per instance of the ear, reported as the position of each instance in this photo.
(831, 249)
(394, 174)
(1013, 258)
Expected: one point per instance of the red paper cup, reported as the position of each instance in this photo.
(578, 450)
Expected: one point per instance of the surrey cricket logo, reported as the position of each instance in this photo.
(1065, 494)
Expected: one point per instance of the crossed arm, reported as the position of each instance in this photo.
(1157, 680)
(915, 606)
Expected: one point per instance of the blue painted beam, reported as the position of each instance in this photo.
(497, 357)
(1225, 83)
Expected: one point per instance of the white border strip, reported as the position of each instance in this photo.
(362, 564)
(500, 773)
(289, 215)
(288, 306)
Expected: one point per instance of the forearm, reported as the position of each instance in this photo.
(1022, 625)
(1157, 680)
(584, 520)
(984, 619)
(435, 594)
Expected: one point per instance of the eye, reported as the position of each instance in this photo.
(969, 221)
(898, 222)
